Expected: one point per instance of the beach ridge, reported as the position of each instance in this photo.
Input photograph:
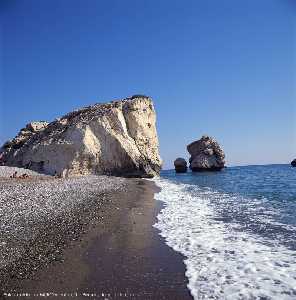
(103, 243)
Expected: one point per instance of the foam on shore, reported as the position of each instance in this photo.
(223, 260)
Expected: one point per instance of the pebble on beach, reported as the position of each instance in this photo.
(37, 213)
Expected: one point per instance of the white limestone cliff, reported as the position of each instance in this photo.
(117, 138)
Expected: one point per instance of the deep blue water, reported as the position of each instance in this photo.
(236, 228)
(274, 182)
(273, 185)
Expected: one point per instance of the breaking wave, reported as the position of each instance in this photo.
(234, 247)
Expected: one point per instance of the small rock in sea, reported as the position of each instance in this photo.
(180, 165)
(293, 163)
(206, 155)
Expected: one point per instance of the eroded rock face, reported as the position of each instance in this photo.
(23, 136)
(206, 154)
(117, 138)
(180, 165)
(293, 163)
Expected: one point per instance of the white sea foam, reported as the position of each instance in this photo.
(223, 260)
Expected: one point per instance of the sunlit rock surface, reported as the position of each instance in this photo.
(206, 154)
(117, 138)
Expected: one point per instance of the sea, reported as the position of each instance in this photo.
(235, 228)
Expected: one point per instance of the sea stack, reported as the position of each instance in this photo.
(180, 165)
(206, 155)
(293, 163)
(117, 138)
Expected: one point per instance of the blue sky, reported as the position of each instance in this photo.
(225, 68)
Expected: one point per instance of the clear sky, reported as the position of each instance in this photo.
(225, 68)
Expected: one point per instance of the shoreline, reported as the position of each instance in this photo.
(119, 254)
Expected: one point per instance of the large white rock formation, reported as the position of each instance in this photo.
(117, 138)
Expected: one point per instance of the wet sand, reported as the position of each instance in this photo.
(120, 256)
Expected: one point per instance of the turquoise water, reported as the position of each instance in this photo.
(236, 228)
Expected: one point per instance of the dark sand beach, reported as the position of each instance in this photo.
(117, 254)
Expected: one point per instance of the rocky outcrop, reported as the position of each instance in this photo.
(293, 163)
(117, 138)
(24, 135)
(206, 154)
(180, 165)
